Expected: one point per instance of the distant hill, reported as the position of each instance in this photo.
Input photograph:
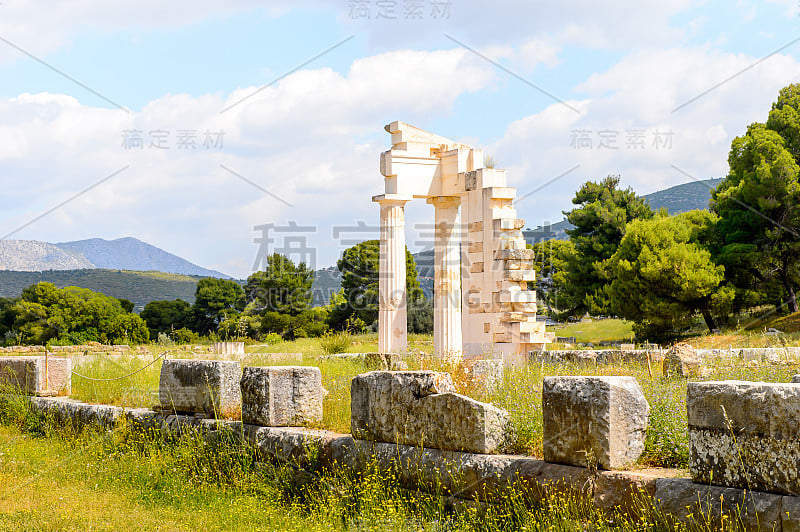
(30, 255)
(138, 287)
(677, 199)
(132, 254)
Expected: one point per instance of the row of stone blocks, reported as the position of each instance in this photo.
(469, 476)
(272, 396)
(36, 375)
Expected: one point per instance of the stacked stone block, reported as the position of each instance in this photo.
(600, 420)
(499, 309)
(421, 408)
(205, 386)
(282, 396)
(745, 434)
(36, 375)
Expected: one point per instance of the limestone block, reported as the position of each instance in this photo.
(33, 375)
(515, 254)
(208, 386)
(681, 360)
(421, 408)
(229, 348)
(790, 512)
(281, 396)
(520, 275)
(601, 416)
(796, 379)
(745, 434)
(690, 503)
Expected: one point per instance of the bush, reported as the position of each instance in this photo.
(336, 342)
(273, 338)
(185, 336)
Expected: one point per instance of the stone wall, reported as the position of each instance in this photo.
(463, 476)
(36, 375)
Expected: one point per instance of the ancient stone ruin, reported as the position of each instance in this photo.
(421, 408)
(281, 396)
(482, 304)
(210, 387)
(594, 420)
(36, 375)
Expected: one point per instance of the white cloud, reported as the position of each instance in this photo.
(641, 92)
(313, 140)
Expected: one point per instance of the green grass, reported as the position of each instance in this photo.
(608, 330)
(134, 481)
(519, 393)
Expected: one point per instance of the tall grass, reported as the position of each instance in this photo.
(150, 480)
(519, 392)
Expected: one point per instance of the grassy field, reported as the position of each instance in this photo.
(610, 330)
(519, 393)
(126, 481)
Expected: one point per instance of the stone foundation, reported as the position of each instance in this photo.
(598, 420)
(36, 375)
(745, 434)
(208, 386)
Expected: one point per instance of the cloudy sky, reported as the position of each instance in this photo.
(187, 124)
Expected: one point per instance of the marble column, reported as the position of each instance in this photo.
(447, 341)
(392, 312)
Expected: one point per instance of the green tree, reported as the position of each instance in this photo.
(6, 318)
(759, 203)
(661, 276)
(128, 329)
(553, 258)
(282, 287)
(166, 316)
(127, 305)
(281, 296)
(214, 300)
(70, 315)
(602, 213)
(359, 267)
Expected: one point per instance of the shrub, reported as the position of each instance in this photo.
(336, 342)
(273, 338)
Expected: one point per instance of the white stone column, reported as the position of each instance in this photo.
(392, 312)
(447, 342)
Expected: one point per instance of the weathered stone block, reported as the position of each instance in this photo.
(34, 375)
(682, 360)
(603, 417)
(229, 348)
(421, 408)
(691, 503)
(790, 512)
(745, 434)
(281, 396)
(796, 379)
(208, 386)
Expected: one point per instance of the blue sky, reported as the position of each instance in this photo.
(313, 139)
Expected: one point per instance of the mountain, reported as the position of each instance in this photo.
(132, 254)
(138, 287)
(30, 255)
(120, 254)
(677, 199)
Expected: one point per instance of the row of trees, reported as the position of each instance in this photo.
(278, 301)
(660, 271)
(47, 314)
